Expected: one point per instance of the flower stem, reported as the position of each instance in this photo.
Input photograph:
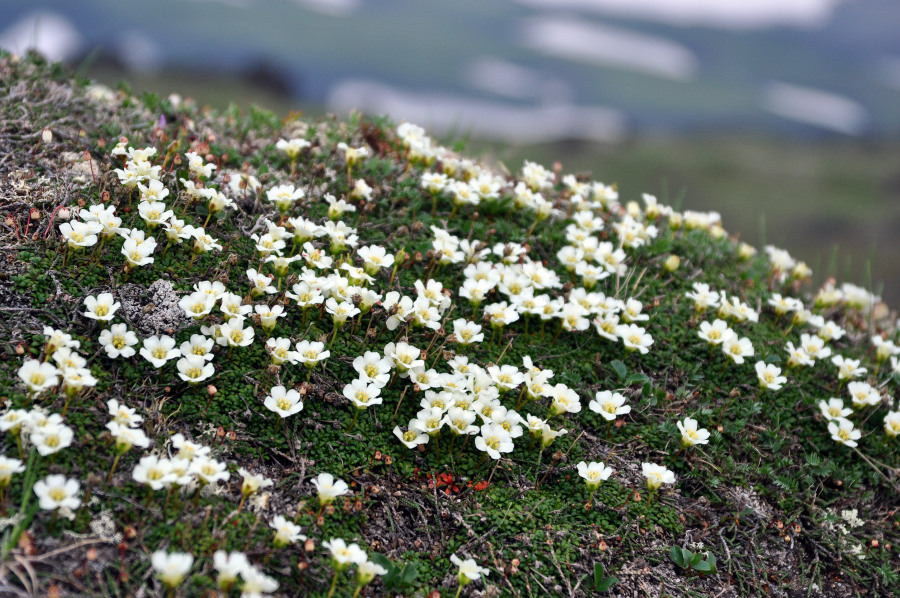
(333, 584)
(113, 468)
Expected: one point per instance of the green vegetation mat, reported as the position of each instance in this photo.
(616, 331)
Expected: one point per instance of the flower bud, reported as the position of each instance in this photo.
(672, 262)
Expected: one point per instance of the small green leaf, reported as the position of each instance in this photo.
(598, 575)
(620, 368)
(636, 378)
(606, 584)
(409, 574)
(677, 557)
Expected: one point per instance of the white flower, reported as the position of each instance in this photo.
(286, 532)
(373, 367)
(411, 438)
(609, 404)
(292, 147)
(892, 423)
(657, 475)
(506, 377)
(737, 348)
(198, 304)
(863, 394)
(209, 470)
(548, 435)
(256, 583)
(563, 400)
(594, 473)
(769, 376)
(834, 409)
(229, 566)
(847, 368)
(494, 440)
(366, 572)
(404, 356)
(284, 196)
(154, 213)
(251, 483)
(843, 432)
(153, 471)
(344, 555)
(171, 568)
(690, 434)
(353, 154)
(268, 316)
(56, 491)
(329, 488)
(260, 283)
(194, 369)
(159, 349)
(8, 467)
(634, 338)
(198, 346)
(305, 295)
(797, 356)
(188, 450)
(79, 234)
(233, 333)
(51, 438)
(363, 394)
(232, 306)
(118, 341)
(102, 307)
(38, 376)
(469, 570)
(374, 258)
(127, 437)
(715, 333)
(311, 353)
(283, 402)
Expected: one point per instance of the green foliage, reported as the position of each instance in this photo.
(602, 583)
(399, 577)
(693, 561)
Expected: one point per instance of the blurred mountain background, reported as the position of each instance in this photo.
(783, 115)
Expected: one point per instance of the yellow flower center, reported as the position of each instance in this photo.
(77, 237)
(844, 434)
(237, 336)
(159, 353)
(409, 436)
(284, 404)
(135, 256)
(362, 397)
(102, 310)
(834, 412)
(198, 308)
(634, 339)
(311, 355)
(193, 373)
(492, 442)
(198, 350)
(432, 423)
(57, 494)
(154, 474)
(52, 441)
(37, 379)
(118, 341)
(593, 475)
(487, 410)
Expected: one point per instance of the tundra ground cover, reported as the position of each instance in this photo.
(259, 357)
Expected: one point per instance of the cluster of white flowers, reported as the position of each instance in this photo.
(334, 277)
